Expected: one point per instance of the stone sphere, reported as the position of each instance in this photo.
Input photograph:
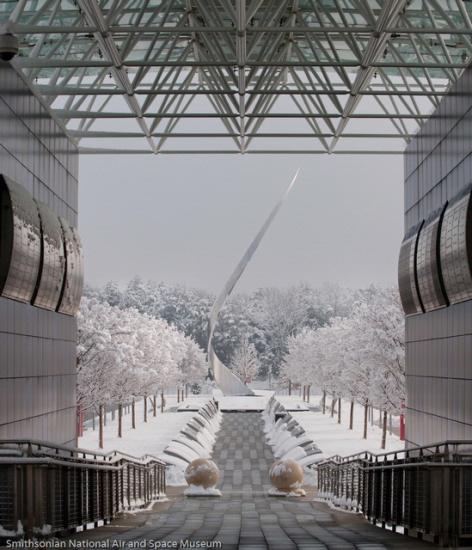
(202, 472)
(286, 475)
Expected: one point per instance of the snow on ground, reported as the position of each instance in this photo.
(288, 443)
(148, 438)
(292, 403)
(182, 450)
(175, 476)
(170, 404)
(333, 438)
(257, 402)
(198, 491)
(243, 403)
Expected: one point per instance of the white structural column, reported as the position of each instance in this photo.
(228, 382)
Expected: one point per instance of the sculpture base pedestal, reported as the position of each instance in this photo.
(243, 403)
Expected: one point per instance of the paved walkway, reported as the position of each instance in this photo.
(246, 517)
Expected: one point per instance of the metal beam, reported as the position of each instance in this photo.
(131, 63)
(118, 115)
(278, 135)
(245, 63)
(106, 151)
(20, 28)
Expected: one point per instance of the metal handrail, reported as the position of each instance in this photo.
(73, 452)
(426, 490)
(57, 489)
(433, 447)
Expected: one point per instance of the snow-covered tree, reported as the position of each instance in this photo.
(382, 320)
(245, 362)
(111, 294)
(269, 317)
(360, 357)
(281, 313)
(123, 355)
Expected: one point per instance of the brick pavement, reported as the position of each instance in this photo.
(245, 516)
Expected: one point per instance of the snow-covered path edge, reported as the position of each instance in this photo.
(195, 440)
(288, 440)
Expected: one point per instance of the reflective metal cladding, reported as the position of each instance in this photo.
(20, 241)
(40, 254)
(456, 248)
(74, 279)
(428, 267)
(48, 291)
(407, 275)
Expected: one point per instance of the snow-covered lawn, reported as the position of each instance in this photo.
(333, 438)
(257, 402)
(148, 438)
(292, 403)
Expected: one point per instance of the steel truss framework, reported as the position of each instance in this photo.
(241, 76)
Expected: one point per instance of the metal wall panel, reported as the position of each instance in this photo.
(438, 166)
(37, 346)
(455, 248)
(53, 264)
(407, 278)
(430, 283)
(20, 245)
(74, 279)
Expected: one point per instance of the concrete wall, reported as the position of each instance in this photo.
(37, 347)
(438, 164)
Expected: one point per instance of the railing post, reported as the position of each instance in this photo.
(113, 478)
(66, 496)
(148, 473)
(458, 490)
(128, 469)
(145, 484)
(367, 491)
(87, 496)
(452, 504)
(162, 488)
(16, 472)
(397, 496)
(99, 496)
(96, 497)
(51, 491)
(156, 484)
(119, 489)
(29, 486)
(359, 486)
(445, 537)
(121, 501)
(80, 496)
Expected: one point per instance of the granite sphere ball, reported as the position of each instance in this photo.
(286, 475)
(202, 472)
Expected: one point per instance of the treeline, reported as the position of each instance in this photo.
(124, 355)
(359, 357)
(265, 319)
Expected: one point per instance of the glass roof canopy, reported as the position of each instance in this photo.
(240, 76)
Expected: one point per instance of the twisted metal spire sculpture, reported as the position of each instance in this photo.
(228, 382)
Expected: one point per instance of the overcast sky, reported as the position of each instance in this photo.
(188, 219)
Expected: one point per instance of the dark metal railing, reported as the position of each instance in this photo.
(422, 491)
(47, 489)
